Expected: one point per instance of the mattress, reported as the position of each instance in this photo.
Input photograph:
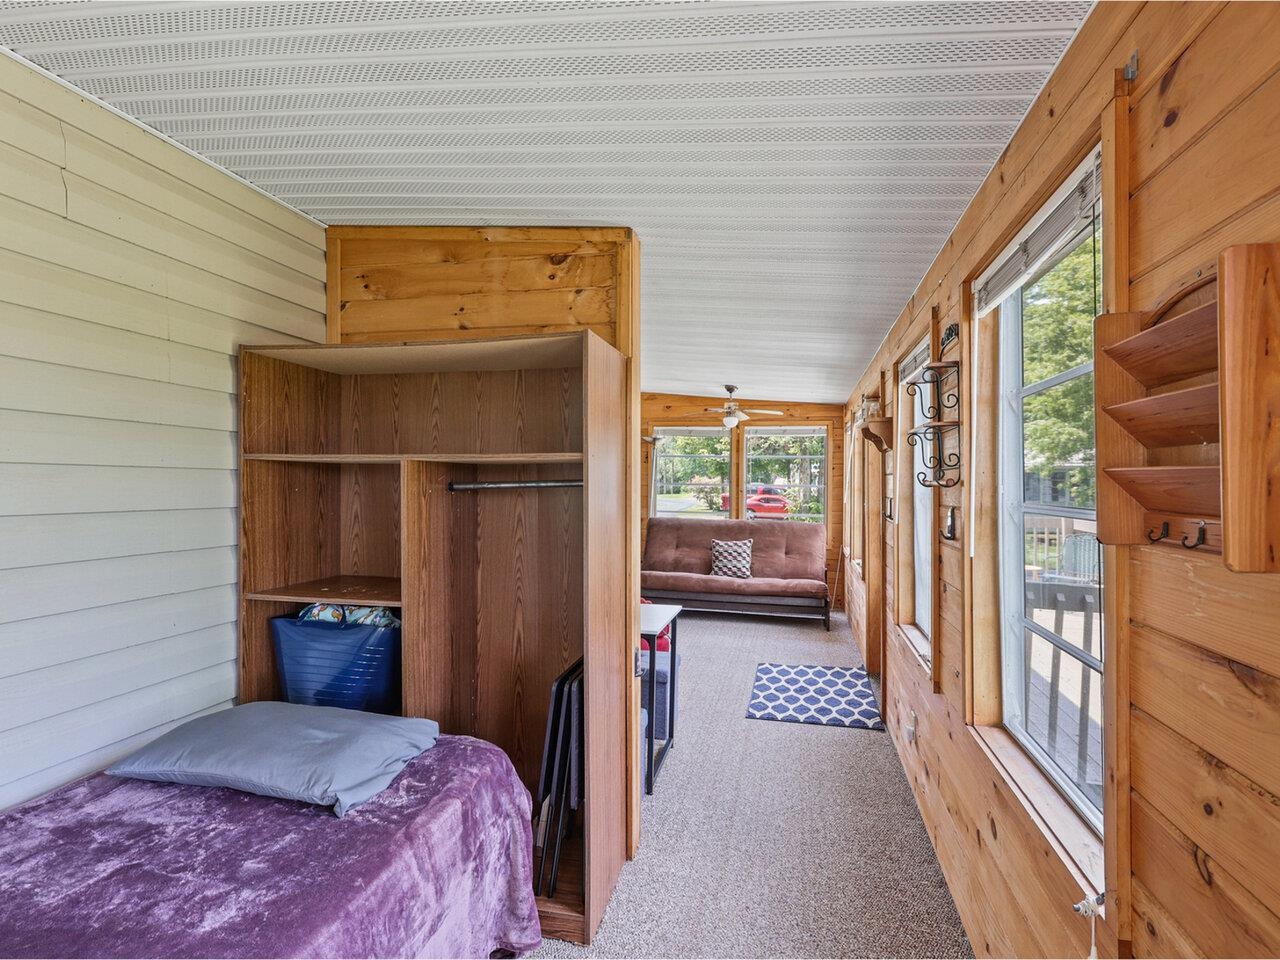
(437, 865)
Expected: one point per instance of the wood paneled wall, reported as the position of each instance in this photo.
(677, 410)
(1193, 652)
(130, 271)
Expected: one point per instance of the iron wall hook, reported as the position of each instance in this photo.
(1199, 537)
(1164, 534)
(949, 530)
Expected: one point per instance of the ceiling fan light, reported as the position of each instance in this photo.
(730, 420)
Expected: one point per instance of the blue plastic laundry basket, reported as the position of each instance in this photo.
(327, 664)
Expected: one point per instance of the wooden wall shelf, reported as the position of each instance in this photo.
(363, 591)
(1174, 348)
(879, 430)
(1186, 401)
(1185, 490)
(1172, 419)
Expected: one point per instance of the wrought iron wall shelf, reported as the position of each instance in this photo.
(935, 375)
(941, 467)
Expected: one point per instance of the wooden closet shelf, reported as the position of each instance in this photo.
(365, 591)
(480, 459)
(1194, 491)
(1171, 419)
(1177, 347)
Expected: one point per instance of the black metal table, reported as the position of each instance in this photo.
(654, 618)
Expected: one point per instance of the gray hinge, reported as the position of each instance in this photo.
(639, 667)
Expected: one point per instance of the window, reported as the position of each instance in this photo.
(922, 519)
(690, 473)
(786, 473)
(853, 495)
(1051, 561)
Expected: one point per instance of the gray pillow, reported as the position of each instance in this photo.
(324, 755)
(731, 558)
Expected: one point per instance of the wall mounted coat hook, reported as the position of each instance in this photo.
(1163, 535)
(949, 529)
(1199, 538)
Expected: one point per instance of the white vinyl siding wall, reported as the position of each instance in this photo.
(129, 273)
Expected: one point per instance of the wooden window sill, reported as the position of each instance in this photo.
(916, 643)
(1069, 834)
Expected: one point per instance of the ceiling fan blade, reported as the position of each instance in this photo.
(714, 409)
(770, 413)
(742, 415)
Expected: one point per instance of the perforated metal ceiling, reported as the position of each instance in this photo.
(792, 168)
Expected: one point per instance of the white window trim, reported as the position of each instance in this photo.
(1012, 501)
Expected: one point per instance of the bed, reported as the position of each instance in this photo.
(437, 865)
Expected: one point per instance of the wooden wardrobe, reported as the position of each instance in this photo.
(347, 456)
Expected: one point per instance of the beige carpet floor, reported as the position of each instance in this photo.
(769, 839)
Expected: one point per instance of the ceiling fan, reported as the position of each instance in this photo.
(734, 414)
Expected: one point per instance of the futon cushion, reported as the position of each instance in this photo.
(322, 755)
(731, 558)
(691, 583)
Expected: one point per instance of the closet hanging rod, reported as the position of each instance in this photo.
(512, 485)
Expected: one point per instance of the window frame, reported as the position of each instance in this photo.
(677, 429)
(810, 429)
(1009, 565)
(922, 499)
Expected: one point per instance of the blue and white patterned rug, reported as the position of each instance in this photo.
(830, 696)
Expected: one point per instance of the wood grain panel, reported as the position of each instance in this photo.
(1197, 191)
(286, 408)
(609, 648)
(1197, 600)
(469, 275)
(434, 282)
(1218, 808)
(1226, 707)
(369, 505)
(1201, 86)
(496, 411)
(1249, 359)
(439, 597)
(990, 845)
(528, 609)
(1155, 932)
(1228, 919)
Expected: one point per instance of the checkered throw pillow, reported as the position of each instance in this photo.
(731, 558)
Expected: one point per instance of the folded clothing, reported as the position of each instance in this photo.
(323, 755)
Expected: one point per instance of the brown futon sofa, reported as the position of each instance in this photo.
(788, 567)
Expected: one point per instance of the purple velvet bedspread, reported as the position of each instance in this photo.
(437, 865)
